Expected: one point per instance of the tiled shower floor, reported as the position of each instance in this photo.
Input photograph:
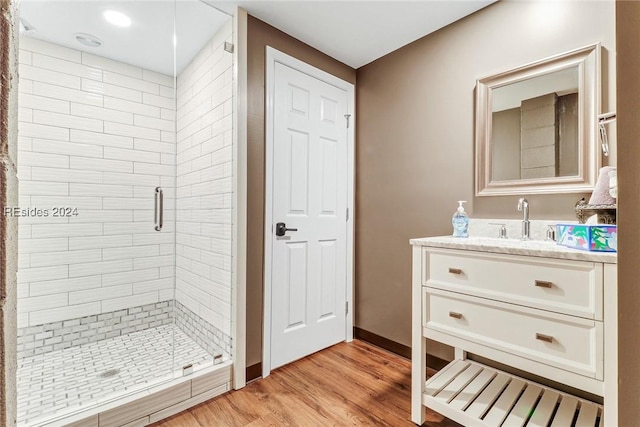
(66, 380)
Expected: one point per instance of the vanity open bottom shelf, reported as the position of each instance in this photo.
(479, 396)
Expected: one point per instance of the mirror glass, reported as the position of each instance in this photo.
(536, 126)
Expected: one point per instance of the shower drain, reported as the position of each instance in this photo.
(110, 373)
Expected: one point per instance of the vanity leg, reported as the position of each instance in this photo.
(611, 345)
(418, 342)
(418, 378)
(459, 354)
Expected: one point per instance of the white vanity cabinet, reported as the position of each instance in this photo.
(539, 308)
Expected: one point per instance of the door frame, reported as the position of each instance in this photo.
(274, 56)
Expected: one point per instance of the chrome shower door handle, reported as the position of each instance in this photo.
(158, 212)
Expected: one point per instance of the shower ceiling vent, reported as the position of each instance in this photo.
(88, 40)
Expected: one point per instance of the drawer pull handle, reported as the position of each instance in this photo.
(544, 284)
(455, 315)
(455, 271)
(545, 338)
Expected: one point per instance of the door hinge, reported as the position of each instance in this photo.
(347, 116)
(347, 214)
(346, 307)
(228, 47)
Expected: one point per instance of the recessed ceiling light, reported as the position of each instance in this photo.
(117, 18)
(88, 40)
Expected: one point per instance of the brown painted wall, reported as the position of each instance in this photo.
(415, 134)
(259, 36)
(628, 125)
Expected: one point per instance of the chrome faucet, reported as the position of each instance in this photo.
(523, 205)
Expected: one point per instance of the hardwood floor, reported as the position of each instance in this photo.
(349, 384)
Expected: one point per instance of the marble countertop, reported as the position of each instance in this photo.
(515, 247)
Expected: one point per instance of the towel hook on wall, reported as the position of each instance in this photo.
(604, 119)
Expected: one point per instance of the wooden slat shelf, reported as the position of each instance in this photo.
(478, 396)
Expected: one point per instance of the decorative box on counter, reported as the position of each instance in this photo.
(588, 237)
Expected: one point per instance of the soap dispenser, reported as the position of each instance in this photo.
(460, 221)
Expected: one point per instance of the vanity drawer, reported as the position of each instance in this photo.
(566, 342)
(561, 286)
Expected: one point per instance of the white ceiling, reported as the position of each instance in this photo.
(357, 32)
(353, 32)
(147, 43)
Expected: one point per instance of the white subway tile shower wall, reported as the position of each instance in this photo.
(98, 135)
(204, 185)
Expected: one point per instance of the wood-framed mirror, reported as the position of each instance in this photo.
(536, 126)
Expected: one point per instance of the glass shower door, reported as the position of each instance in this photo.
(125, 167)
(96, 166)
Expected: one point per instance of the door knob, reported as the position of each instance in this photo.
(281, 229)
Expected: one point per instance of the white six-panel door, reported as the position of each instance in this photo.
(308, 266)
